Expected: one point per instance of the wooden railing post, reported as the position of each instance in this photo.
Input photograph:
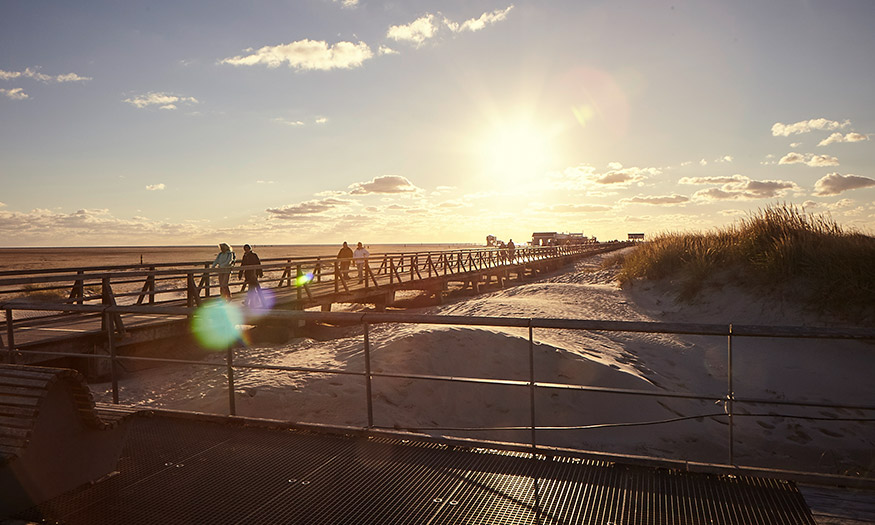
(206, 279)
(10, 336)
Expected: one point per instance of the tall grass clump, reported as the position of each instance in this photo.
(805, 257)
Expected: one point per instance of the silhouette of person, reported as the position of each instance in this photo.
(250, 275)
(360, 257)
(510, 249)
(224, 259)
(344, 257)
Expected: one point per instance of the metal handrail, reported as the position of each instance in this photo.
(367, 319)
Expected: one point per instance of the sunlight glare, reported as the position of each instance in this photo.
(517, 151)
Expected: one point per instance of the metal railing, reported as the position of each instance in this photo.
(729, 400)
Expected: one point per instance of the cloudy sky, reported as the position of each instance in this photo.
(317, 121)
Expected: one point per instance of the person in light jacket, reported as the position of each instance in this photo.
(360, 258)
(224, 259)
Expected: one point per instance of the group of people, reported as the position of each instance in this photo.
(250, 275)
(359, 257)
(226, 257)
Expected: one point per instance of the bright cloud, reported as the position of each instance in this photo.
(14, 93)
(743, 188)
(162, 100)
(806, 126)
(657, 200)
(383, 184)
(834, 183)
(809, 159)
(310, 207)
(155, 187)
(348, 3)
(838, 137)
(476, 24)
(428, 26)
(306, 55)
(415, 32)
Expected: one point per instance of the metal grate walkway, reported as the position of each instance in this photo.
(177, 470)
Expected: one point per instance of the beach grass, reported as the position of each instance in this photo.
(779, 249)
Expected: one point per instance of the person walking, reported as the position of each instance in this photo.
(224, 259)
(250, 275)
(360, 258)
(344, 258)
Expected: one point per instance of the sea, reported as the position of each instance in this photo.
(66, 257)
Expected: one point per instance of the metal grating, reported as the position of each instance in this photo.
(184, 470)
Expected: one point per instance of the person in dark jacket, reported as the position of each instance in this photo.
(251, 275)
(344, 257)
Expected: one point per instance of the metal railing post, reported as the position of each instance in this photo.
(729, 397)
(110, 343)
(10, 336)
(532, 385)
(368, 375)
(232, 406)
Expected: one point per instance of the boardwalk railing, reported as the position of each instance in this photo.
(190, 282)
(727, 403)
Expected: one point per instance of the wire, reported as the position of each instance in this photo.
(636, 424)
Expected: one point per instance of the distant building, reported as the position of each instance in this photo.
(490, 240)
(559, 239)
(636, 236)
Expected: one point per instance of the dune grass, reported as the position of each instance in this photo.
(779, 249)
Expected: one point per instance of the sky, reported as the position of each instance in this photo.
(414, 121)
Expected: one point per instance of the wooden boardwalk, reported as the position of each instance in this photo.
(61, 311)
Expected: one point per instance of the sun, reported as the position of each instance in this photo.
(517, 150)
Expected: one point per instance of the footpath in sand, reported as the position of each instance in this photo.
(816, 371)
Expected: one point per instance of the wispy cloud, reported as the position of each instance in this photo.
(583, 176)
(656, 200)
(713, 180)
(287, 122)
(311, 207)
(806, 126)
(306, 55)
(156, 187)
(577, 208)
(89, 226)
(383, 184)
(429, 26)
(33, 73)
(14, 93)
(162, 100)
(809, 159)
(834, 183)
(740, 187)
(838, 137)
(349, 4)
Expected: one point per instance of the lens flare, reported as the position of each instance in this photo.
(303, 279)
(216, 324)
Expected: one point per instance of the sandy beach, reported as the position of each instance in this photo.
(812, 371)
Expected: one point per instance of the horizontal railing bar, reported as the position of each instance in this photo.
(518, 322)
